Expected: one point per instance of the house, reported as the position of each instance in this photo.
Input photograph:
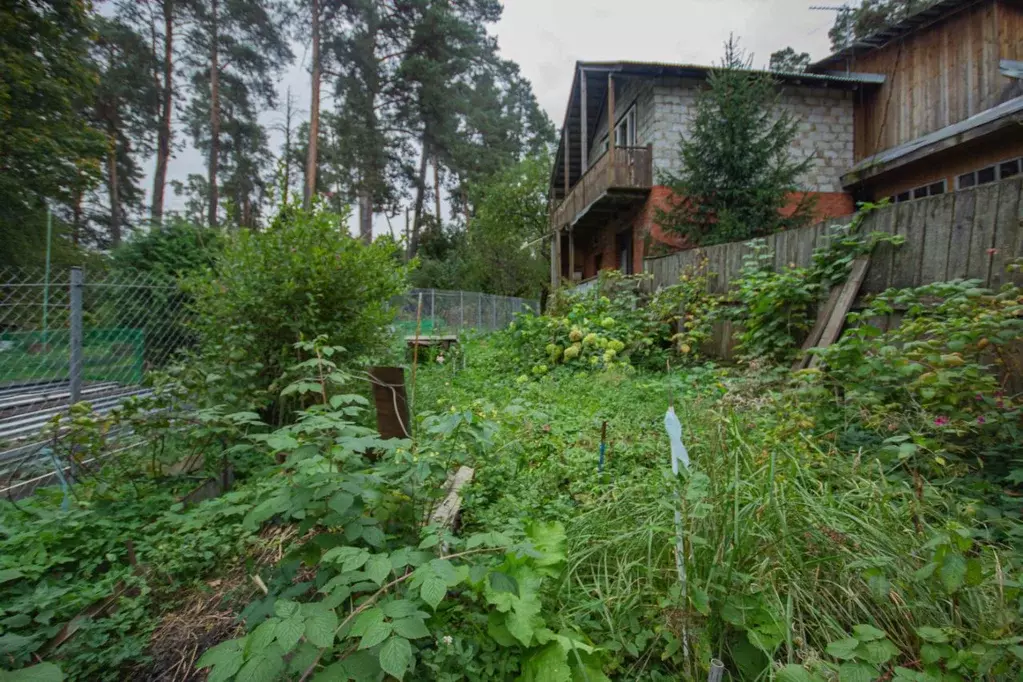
(927, 105)
(948, 114)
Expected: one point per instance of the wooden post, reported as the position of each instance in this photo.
(556, 260)
(583, 137)
(610, 129)
(565, 133)
(571, 255)
(391, 402)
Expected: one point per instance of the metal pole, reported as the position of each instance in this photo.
(46, 280)
(461, 310)
(433, 310)
(75, 363)
(717, 670)
(479, 311)
(493, 313)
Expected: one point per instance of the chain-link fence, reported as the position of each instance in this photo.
(67, 336)
(450, 312)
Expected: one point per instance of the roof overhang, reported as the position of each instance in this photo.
(596, 78)
(973, 128)
(916, 21)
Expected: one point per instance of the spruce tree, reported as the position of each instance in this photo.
(736, 169)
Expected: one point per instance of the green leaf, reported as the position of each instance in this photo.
(355, 562)
(44, 672)
(289, 631)
(412, 627)
(856, 672)
(795, 673)
(341, 502)
(12, 643)
(364, 620)
(497, 629)
(502, 582)
(373, 536)
(700, 600)
(867, 633)
(878, 652)
(265, 666)
(843, 649)
(285, 608)
(320, 625)
(399, 608)
(429, 541)
(952, 572)
(9, 574)
(262, 636)
(375, 633)
(934, 635)
(433, 591)
(223, 655)
(549, 664)
(378, 568)
(396, 657)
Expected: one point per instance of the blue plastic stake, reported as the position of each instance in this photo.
(603, 447)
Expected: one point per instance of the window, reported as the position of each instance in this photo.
(933, 189)
(624, 248)
(982, 176)
(625, 131)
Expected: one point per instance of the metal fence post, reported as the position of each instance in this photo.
(75, 360)
(479, 311)
(433, 310)
(493, 313)
(461, 310)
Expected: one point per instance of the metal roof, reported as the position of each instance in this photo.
(701, 71)
(925, 17)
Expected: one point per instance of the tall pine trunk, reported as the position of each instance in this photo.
(413, 245)
(314, 115)
(214, 113)
(115, 199)
(365, 214)
(436, 187)
(163, 136)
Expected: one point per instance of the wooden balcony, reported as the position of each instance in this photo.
(614, 182)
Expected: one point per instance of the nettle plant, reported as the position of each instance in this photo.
(371, 590)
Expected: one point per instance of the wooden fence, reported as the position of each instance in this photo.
(968, 234)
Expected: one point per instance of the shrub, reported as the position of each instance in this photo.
(610, 326)
(302, 278)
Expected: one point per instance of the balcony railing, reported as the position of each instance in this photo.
(631, 168)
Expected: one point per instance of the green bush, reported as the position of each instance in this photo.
(614, 326)
(302, 278)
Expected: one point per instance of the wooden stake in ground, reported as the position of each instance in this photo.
(415, 348)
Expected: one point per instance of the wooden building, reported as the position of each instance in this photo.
(949, 111)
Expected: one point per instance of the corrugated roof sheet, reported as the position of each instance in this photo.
(879, 39)
(701, 71)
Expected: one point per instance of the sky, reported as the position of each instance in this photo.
(547, 37)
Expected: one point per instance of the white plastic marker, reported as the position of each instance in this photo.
(679, 454)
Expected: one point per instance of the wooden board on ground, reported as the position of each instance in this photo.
(447, 511)
(845, 300)
(818, 328)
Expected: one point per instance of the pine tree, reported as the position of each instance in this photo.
(789, 61)
(127, 110)
(853, 23)
(737, 173)
(235, 47)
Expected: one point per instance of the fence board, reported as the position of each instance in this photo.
(880, 272)
(906, 261)
(962, 228)
(936, 233)
(983, 235)
(1007, 228)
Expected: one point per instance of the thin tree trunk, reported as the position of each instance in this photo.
(314, 114)
(465, 206)
(436, 188)
(365, 215)
(214, 113)
(413, 245)
(76, 215)
(163, 142)
(115, 200)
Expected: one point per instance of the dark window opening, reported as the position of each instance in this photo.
(937, 188)
(986, 175)
(920, 192)
(967, 180)
(1009, 168)
(623, 243)
(902, 196)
